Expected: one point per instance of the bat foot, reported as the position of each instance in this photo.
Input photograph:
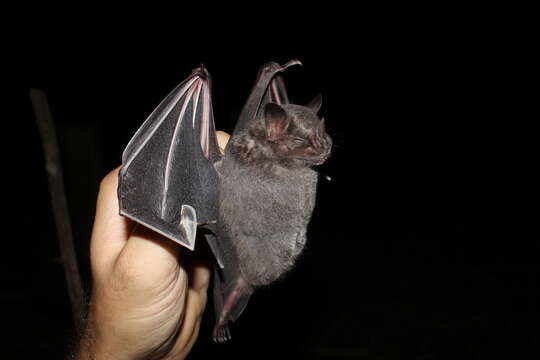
(222, 333)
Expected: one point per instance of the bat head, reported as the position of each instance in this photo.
(296, 134)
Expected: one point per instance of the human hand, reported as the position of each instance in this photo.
(147, 297)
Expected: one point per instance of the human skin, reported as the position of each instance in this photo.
(148, 295)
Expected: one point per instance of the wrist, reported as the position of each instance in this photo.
(94, 345)
(91, 348)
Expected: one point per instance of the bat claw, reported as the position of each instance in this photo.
(291, 63)
(274, 67)
(222, 334)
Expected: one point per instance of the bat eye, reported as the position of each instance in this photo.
(299, 141)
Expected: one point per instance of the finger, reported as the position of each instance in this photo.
(110, 231)
(223, 139)
(198, 269)
(149, 256)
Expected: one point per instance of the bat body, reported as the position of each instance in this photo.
(256, 199)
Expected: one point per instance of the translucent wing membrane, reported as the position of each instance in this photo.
(168, 164)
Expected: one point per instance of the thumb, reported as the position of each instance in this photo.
(149, 255)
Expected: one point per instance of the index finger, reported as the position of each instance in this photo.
(111, 230)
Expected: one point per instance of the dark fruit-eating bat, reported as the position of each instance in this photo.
(255, 201)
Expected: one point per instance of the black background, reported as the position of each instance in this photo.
(424, 245)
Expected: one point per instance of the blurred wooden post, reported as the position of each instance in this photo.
(59, 203)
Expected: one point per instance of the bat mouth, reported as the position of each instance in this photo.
(315, 160)
(321, 158)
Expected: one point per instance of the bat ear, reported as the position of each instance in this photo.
(276, 121)
(316, 103)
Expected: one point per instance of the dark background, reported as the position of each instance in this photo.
(424, 245)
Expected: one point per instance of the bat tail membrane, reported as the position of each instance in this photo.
(269, 87)
(167, 181)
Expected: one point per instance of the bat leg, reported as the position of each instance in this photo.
(232, 306)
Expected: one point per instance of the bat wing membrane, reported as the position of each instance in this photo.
(167, 181)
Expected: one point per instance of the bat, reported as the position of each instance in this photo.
(254, 202)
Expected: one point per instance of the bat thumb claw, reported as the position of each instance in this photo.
(292, 63)
(188, 224)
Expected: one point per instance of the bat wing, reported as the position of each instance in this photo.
(276, 92)
(269, 87)
(168, 181)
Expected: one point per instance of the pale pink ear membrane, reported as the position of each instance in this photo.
(276, 121)
(316, 103)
